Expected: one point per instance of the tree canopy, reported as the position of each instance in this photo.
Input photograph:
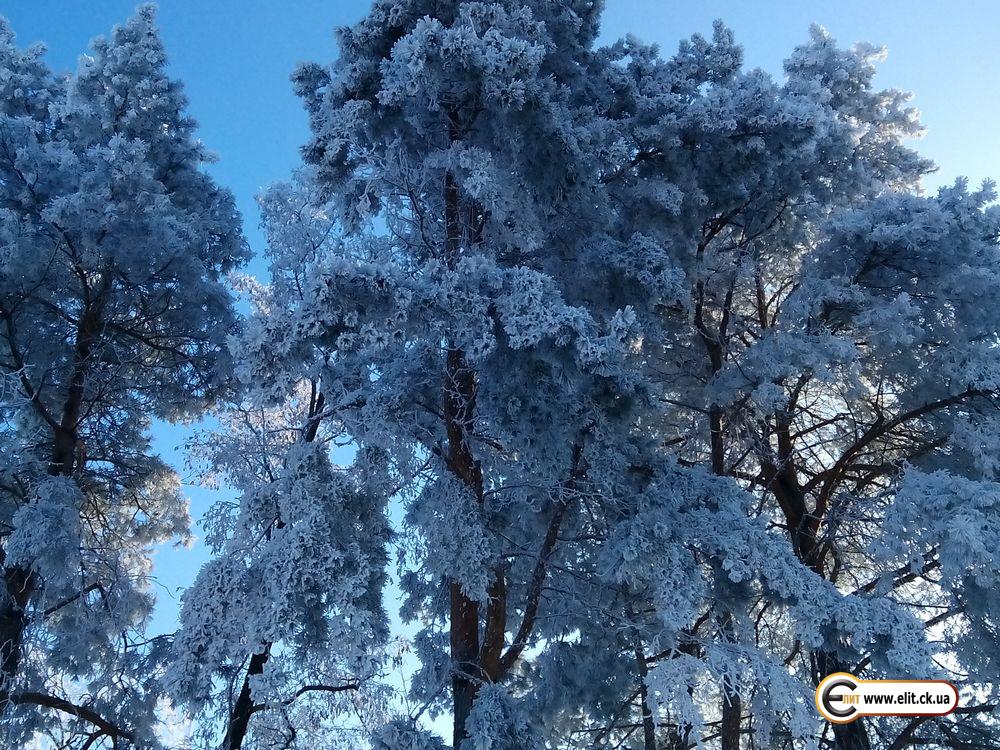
(113, 310)
(664, 391)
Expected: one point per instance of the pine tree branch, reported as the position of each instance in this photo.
(107, 727)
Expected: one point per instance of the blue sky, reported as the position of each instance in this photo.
(235, 57)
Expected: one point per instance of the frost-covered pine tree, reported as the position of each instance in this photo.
(281, 633)
(666, 362)
(833, 351)
(113, 244)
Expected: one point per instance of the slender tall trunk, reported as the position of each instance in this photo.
(803, 525)
(19, 586)
(459, 409)
(648, 720)
(732, 703)
(20, 583)
(730, 729)
(243, 708)
(464, 652)
(852, 736)
(714, 342)
(238, 723)
(477, 632)
(459, 406)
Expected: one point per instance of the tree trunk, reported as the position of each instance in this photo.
(464, 650)
(648, 721)
(852, 736)
(20, 584)
(459, 409)
(239, 716)
(732, 708)
(732, 703)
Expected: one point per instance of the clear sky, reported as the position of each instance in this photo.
(235, 57)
